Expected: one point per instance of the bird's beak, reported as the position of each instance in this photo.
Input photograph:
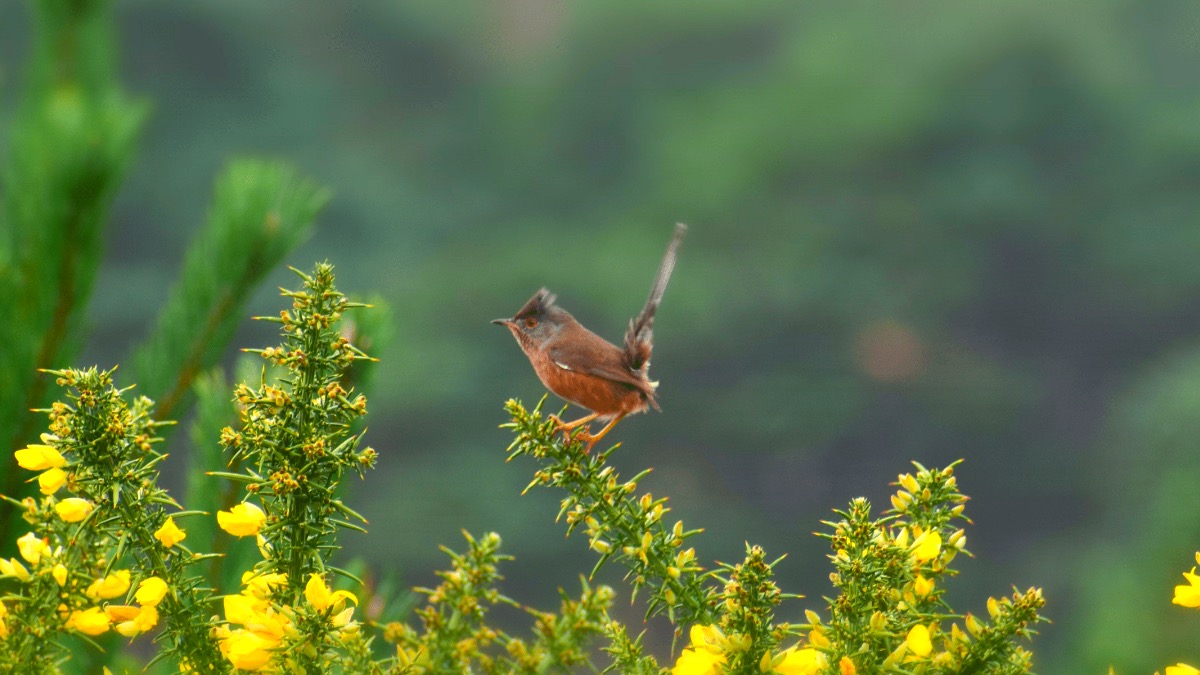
(503, 322)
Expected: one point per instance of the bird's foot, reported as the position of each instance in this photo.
(567, 427)
(589, 439)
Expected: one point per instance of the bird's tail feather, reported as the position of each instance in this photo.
(639, 337)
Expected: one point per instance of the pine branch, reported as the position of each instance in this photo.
(260, 212)
(71, 141)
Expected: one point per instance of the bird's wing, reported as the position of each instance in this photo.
(598, 359)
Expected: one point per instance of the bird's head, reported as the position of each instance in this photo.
(537, 321)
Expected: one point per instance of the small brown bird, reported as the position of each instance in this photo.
(584, 368)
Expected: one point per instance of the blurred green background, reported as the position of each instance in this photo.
(920, 230)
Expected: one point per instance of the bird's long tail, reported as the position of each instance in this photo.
(639, 338)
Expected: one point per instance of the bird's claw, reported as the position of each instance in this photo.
(568, 429)
(562, 426)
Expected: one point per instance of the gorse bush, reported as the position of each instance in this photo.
(889, 573)
(120, 536)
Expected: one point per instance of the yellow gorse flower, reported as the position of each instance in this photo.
(801, 662)
(132, 621)
(249, 647)
(13, 568)
(817, 637)
(242, 520)
(703, 656)
(73, 509)
(318, 595)
(111, 586)
(1189, 595)
(246, 650)
(151, 591)
(169, 534)
(927, 546)
(263, 585)
(918, 641)
(256, 615)
(922, 586)
(1182, 669)
(50, 480)
(92, 621)
(32, 548)
(242, 609)
(39, 458)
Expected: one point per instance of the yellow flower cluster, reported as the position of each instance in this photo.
(41, 558)
(1186, 595)
(127, 620)
(706, 655)
(50, 463)
(263, 624)
(890, 573)
(262, 629)
(73, 509)
(47, 460)
(1189, 595)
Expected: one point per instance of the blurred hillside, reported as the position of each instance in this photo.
(920, 230)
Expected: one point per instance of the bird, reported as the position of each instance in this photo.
(584, 368)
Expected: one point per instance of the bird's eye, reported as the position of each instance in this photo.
(531, 322)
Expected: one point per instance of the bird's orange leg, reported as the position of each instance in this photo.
(591, 439)
(568, 427)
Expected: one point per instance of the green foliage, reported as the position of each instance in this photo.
(116, 539)
(887, 614)
(618, 526)
(114, 522)
(261, 211)
(294, 440)
(456, 636)
(215, 410)
(888, 586)
(69, 146)
(71, 142)
(294, 444)
(749, 597)
(456, 611)
(627, 655)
